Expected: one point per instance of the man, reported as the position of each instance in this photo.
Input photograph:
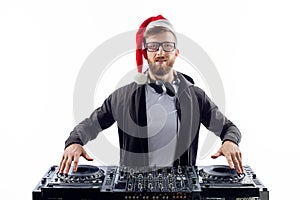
(159, 115)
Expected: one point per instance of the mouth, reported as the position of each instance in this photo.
(160, 60)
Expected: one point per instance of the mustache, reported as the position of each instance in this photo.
(160, 58)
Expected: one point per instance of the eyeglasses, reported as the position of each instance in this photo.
(154, 46)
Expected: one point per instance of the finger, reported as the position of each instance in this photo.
(239, 156)
(216, 155)
(68, 165)
(237, 163)
(86, 156)
(230, 162)
(62, 165)
(75, 161)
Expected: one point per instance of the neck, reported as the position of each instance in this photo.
(169, 77)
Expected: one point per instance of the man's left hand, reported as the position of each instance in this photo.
(232, 154)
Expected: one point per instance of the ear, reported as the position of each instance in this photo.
(144, 51)
(176, 52)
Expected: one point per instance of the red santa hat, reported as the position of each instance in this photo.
(148, 23)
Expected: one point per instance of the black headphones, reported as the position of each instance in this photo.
(162, 87)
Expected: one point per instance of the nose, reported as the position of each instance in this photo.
(160, 50)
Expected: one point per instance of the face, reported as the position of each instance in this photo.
(161, 62)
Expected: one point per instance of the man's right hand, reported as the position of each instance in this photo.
(72, 154)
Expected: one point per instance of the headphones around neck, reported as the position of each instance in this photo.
(162, 87)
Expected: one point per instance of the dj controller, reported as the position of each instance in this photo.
(216, 182)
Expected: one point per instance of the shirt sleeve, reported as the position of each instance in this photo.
(214, 120)
(89, 128)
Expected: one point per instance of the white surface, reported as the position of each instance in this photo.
(254, 45)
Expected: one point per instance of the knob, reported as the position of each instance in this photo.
(140, 186)
(179, 170)
(129, 186)
(43, 181)
(194, 180)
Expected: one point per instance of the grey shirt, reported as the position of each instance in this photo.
(163, 126)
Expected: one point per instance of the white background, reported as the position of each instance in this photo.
(255, 46)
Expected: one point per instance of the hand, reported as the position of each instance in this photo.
(72, 154)
(233, 155)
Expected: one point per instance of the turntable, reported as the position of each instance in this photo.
(220, 181)
(216, 182)
(86, 183)
(86, 174)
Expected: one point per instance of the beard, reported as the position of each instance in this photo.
(161, 65)
(159, 69)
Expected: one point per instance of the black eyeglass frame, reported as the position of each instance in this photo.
(160, 44)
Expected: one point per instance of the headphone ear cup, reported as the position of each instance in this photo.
(157, 88)
(170, 89)
(144, 51)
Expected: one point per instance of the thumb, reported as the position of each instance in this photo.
(86, 156)
(216, 155)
